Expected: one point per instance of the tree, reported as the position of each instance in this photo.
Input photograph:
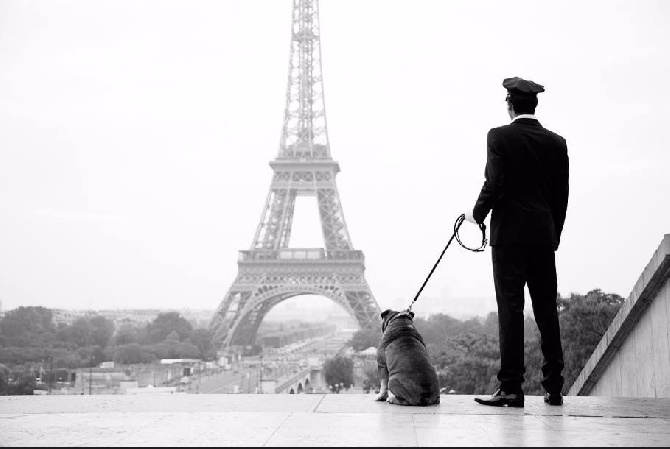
(126, 335)
(365, 338)
(24, 387)
(466, 353)
(339, 370)
(84, 332)
(171, 349)
(173, 337)
(79, 334)
(95, 354)
(440, 327)
(132, 354)
(4, 380)
(203, 339)
(28, 326)
(165, 324)
(584, 321)
(534, 359)
(467, 363)
(371, 378)
(186, 350)
(102, 331)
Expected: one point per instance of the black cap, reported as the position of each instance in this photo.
(520, 86)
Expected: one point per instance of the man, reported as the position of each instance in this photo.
(526, 188)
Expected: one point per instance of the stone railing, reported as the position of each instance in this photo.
(632, 358)
(300, 255)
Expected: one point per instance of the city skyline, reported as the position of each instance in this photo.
(135, 141)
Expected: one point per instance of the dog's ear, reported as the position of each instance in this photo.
(386, 316)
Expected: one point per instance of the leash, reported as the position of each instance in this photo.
(457, 226)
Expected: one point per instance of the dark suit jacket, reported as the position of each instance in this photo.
(526, 185)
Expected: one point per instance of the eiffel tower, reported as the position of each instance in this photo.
(270, 272)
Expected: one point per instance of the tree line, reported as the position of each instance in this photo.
(29, 338)
(466, 353)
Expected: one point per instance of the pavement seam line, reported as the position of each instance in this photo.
(416, 433)
(139, 429)
(490, 438)
(316, 407)
(277, 430)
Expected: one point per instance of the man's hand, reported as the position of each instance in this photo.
(470, 218)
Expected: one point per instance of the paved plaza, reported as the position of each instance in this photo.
(325, 420)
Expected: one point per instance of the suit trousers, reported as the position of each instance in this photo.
(513, 268)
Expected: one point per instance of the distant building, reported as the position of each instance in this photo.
(133, 317)
(281, 338)
(67, 317)
(111, 378)
(102, 381)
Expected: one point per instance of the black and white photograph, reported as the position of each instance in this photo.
(319, 223)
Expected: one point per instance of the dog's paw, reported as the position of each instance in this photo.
(381, 397)
(391, 399)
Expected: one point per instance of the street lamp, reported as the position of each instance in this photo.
(260, 375)
(51, 366)
(90, 376)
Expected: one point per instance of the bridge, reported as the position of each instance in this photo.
(295, 383)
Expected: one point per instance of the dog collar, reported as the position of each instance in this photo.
(401, 314)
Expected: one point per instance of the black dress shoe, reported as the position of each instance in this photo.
(553, 399)
(502, 399)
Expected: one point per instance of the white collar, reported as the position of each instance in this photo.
(530, 116)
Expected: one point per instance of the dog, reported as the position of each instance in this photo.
(407, 377)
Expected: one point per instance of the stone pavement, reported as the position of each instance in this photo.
(325, 420)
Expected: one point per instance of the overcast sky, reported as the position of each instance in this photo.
(135, 138)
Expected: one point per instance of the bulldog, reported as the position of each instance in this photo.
(407, 377)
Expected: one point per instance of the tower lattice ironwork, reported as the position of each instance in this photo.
(270, 272)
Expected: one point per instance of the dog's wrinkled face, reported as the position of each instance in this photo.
(388, 315)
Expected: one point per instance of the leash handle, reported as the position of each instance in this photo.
(482, 227)
(457, 226)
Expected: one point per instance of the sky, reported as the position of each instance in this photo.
(135, 138)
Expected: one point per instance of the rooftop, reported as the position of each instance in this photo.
(326, 420)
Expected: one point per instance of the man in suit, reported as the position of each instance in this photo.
(526, 188)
